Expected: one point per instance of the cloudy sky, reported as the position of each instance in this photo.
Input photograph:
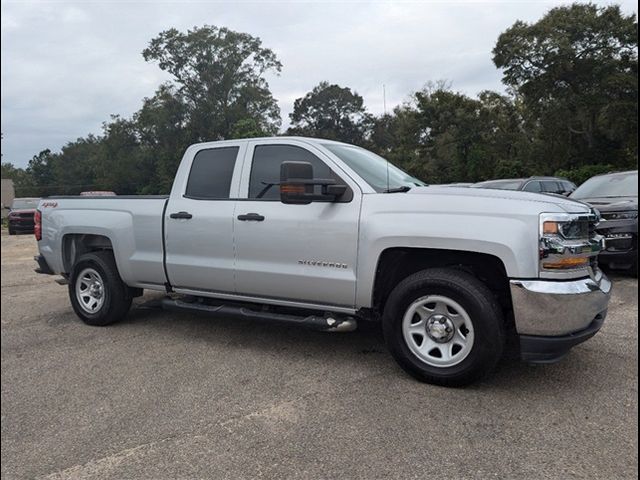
(68, 65)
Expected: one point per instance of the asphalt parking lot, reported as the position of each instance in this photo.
(166, 395)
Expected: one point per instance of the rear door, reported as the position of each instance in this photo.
(305, 253)
(199, 220)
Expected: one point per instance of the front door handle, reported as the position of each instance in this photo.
(256, 217)
(185, 215)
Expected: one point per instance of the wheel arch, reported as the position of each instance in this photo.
(397, 263)
(75, 245)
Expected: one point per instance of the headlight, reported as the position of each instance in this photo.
(630, 215)
(568, 244)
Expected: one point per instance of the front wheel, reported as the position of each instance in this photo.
(98, 294)
(444, 326)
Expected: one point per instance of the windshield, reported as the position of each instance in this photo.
(618, 185)
(24, 203)
(373, 169)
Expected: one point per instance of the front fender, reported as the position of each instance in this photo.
(512, 239)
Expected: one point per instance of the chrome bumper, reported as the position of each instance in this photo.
(554, 308)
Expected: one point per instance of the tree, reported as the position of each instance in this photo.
(162, 129)
(219, 76)
(22, 183)
(74, 168)
(332, 112)
(118, 162)
(40, 171)
(576, 70)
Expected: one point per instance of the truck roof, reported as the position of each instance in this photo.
(310, 140)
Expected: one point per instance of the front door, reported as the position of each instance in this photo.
(306, 253)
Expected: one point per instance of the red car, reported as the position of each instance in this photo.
(21, 216)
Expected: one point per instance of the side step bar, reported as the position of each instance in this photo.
(327, 323)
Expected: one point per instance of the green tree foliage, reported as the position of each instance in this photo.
(581, 174)
(576, 70)
(219, 75)
(445, 136)
(332, 112)
(21, 180)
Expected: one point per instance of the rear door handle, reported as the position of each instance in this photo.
(185, 215)
(256, 217)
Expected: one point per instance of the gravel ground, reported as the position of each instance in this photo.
(167, 395)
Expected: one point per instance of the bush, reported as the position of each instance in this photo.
(582, 174)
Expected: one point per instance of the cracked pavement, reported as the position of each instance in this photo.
(176, 395)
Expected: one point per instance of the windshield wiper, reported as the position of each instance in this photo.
(402, 189)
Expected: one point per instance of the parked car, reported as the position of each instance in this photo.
(616, 197)
(21, 215)
(325, 234)
(558, 186)
(459, 184)
(98, 193)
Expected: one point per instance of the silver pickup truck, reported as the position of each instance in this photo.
(325, 234)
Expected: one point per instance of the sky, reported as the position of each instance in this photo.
(68, 65)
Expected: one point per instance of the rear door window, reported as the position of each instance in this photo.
(211, 173)
(533, 186)
(550, 186)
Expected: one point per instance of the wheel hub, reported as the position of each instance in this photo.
(95, 290)
(440, 328)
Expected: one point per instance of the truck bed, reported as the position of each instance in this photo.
(133, 224)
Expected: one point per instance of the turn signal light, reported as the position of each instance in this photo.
(567, 263)
(289, 188)
(550, 228)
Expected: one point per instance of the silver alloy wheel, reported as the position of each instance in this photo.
(438, 331)
(90, 290)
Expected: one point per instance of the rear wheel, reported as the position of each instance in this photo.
(443, 326)
(11, 231)
(98, 294)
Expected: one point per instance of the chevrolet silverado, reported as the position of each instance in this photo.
(326, 234)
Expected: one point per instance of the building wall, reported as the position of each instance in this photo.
(8, 194)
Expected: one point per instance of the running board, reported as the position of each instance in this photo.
(327, 323)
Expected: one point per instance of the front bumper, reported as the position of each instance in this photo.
(553, 316)
(538, 349)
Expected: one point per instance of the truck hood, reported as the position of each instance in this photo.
(613, 204)
(563, 203)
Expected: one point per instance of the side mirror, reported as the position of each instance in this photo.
(297, 185)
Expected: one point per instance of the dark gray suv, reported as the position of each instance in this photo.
(559, 186)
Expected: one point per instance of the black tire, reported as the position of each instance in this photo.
(480, 305)
(117, 295)
(11, 231)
